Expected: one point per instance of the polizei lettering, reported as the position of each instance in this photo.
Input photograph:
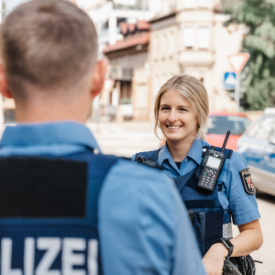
(49, 256)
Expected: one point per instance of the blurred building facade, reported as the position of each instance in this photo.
(149, 41)
(191, 39)
(185, 37)
(108, 14)
(124, 37)
(129, 68)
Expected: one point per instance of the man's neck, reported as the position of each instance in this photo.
(36, 113)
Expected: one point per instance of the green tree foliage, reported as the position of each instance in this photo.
(258, 78)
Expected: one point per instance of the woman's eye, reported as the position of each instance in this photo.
(183, 109)
(164, 108)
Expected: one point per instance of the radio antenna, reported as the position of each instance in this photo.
(225, 140)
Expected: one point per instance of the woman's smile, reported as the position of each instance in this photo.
(173, 127)
(177, 117)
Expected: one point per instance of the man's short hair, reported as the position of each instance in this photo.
(47, 44)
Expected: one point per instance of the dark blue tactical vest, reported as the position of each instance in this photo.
(48, 213)
(205, 211)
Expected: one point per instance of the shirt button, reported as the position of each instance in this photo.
(186, 160)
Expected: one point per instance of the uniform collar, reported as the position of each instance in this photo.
(164, 154)
(194, 153)
(66, 132)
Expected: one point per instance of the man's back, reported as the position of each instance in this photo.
(73, 201)
(69, 210)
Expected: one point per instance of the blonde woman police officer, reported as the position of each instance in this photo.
(181, 111)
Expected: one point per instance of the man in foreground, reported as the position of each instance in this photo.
(63, 208)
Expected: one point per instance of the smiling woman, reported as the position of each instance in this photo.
(190, 96)
(181, 111)
(177, 119)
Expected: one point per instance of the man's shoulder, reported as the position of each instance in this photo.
(127, 168)
(143, 190)
(147, 154)
(122, 168)
(139, 178)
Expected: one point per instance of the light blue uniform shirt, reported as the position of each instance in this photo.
(241, 206)
(143, 226)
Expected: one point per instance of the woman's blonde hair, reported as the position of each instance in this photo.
(193, 90)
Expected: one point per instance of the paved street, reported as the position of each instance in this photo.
(125, 139)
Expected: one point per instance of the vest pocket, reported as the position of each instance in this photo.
(191, 216)
(214, 228)
(208, 228)
(199, 226)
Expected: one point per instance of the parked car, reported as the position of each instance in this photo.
(257, 145)
(220, 122)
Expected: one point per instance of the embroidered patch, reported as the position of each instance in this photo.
(249, 186)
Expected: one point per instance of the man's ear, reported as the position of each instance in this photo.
(98, 78)
(4, 88)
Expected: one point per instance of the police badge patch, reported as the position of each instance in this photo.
(249, 186)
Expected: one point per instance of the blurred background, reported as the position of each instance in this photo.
(149, 41)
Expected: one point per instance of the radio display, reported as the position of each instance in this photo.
(213, 162)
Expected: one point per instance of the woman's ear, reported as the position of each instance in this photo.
(4, 88)
(98, 78)
(198, 127)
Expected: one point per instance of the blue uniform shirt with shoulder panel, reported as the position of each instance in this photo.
(236, 203)
(132, 199)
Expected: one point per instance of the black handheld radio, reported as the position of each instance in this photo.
(212, 166)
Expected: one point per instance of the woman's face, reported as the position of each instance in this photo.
(177, 118)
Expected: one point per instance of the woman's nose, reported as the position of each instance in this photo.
(173, 117)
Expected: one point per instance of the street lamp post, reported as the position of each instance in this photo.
(237, 93)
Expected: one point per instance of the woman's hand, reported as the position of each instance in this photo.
(249, 239)
(214, 258)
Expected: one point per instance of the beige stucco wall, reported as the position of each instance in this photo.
(182, 5)
(195, 61)
(163, 58)
(140, 93)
